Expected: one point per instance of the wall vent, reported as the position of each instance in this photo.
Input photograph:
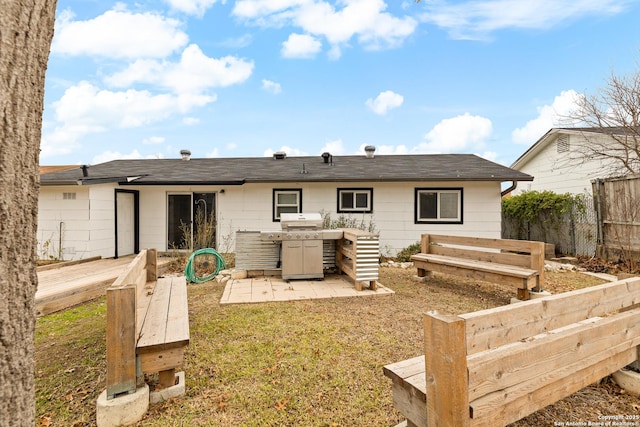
(68, 196)
(562, 144)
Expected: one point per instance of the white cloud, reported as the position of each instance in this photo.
(489, 155)
(192, 7)
(85, 109)
(385, 149)
(271, 86)
(300, 46)
(549, 116)
(190, 121)
(384, 102)
(213, 153)
(237, 42)
(253, 9)
(335, 147)
(363, 20)
(118, 33)
(100, 109)
(195, 72)
(107, 156)
(153, 140)
(457, 134)
(477, 19)
(291, 152)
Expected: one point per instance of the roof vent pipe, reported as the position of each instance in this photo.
(279, 155)
(326, 156)
(85, 170)
(369, 150)
(186, 154)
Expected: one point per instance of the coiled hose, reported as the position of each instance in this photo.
(189, 270)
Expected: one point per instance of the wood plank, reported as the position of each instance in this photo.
(410, 403)
(520, 362)
(502, 244)
(501, 325)
(489, 255)
(491, 267)
(446, 370)
(121, 341)
(178, 316)
(155, 324)
(472, 273)
(162, 360)
(142, 307)
(507, 406)
(53, 282)
(406, 368)
(167, 378)
(133, 270)
(56, 265)
(152, 265)
(71, 297)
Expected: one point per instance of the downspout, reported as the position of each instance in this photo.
(509, 189)
(60, 241)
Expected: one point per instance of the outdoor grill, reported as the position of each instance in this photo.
(301, 238)
(301, 246)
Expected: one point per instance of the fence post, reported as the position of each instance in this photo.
(447, 379)
(121, 340)
(152, 265)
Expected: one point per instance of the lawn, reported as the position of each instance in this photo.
(302, 363)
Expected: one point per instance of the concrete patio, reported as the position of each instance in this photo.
(268, 289)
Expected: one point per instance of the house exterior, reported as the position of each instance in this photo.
(561, 160)
(116, 208)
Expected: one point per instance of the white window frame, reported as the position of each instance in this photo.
(355, 209)
(276, 205)
(420, 219)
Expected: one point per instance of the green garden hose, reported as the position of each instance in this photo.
(189, 270)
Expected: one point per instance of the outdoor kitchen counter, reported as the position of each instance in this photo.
(358, 256)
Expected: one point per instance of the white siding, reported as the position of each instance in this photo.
(89, 230)
(249, 208)
(63, 224)
(86, 222)
(564, 172)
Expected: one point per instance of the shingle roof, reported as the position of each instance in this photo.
(237, 171)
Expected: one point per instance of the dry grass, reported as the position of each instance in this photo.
(303, 363)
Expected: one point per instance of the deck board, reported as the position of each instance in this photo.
(60, 288)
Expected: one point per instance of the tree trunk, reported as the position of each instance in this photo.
(26, 29)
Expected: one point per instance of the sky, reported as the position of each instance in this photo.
(247, 78)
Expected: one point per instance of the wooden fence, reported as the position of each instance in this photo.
(617, 203)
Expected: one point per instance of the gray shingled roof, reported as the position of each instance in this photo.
(237, 171)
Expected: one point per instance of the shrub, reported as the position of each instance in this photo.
(404, 255)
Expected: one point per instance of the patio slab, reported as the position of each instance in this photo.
(268, 289)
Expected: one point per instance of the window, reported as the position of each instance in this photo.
(355, 200)
(286, 201)
(438, 206)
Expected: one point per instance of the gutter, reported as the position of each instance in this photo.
(509, 189)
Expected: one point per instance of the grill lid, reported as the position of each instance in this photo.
(307, 221)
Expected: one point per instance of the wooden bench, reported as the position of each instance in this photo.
(494, 367)
(147, 326)
(517, 262)
(358, 256)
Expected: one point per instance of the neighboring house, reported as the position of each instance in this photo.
(562, 160)
(116, 208)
